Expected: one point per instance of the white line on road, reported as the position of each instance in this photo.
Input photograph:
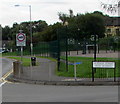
(2, 84)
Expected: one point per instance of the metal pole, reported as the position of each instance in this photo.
(114, 74)
(21, 53)
(20, 67)
(66, 51)
(58, 58)
(31, 44)
(94, 69)
(94, 47)
(92, 74)
(84, 46)
(75, 72)
(98, 46)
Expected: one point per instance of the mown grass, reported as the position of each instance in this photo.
(25, 61)
(84, 70)
(10, 54)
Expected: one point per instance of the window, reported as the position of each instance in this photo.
(117, 31)
(109, 30)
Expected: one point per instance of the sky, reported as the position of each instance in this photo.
(46, 10)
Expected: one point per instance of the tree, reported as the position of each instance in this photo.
(63, 17)
(95, 24)
(49, 34)
(85, 25)
(6, 33)
(71, 13)
(39, 26)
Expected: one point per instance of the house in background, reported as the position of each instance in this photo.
(112, 25)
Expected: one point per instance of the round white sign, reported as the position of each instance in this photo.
(21, 37)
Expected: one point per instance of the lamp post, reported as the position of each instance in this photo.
(66, 24)
(77, 41)
(31, 44)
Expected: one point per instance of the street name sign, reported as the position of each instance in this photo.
(76, 63)
(103, 64)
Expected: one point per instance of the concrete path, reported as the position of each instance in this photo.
(44, 71)
(100, 54)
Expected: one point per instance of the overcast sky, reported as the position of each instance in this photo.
(46, 10)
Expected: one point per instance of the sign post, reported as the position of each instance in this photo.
(21, 41)
(75, 72)
(75, 76)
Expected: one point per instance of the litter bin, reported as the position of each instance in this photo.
(33, 61)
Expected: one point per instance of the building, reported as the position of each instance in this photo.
(112, 26)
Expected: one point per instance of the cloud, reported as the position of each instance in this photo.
(42, 9)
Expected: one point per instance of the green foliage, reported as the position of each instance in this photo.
(49, 34)
(90, 24)
(84, 25)
(6, 33)
(9, 54)
(107, 42)
(79, 26)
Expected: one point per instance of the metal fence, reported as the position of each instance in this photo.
(61, 50)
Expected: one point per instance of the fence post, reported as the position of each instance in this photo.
(92, 74)
(114, 75)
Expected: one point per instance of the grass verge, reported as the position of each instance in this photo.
(26, 61)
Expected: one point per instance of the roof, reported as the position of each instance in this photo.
(112, 21)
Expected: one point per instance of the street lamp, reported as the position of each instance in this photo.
(77, 41)
(66, 24)
(31, 44)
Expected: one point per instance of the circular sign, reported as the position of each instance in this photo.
(21, 37)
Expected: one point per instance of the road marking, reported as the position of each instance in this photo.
(4, 77)
(2, 84)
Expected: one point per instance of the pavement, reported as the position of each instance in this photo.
(44, 73)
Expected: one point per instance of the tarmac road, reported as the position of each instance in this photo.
(46, 93)
(6, 65)
(5, 68)
(20, 92)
